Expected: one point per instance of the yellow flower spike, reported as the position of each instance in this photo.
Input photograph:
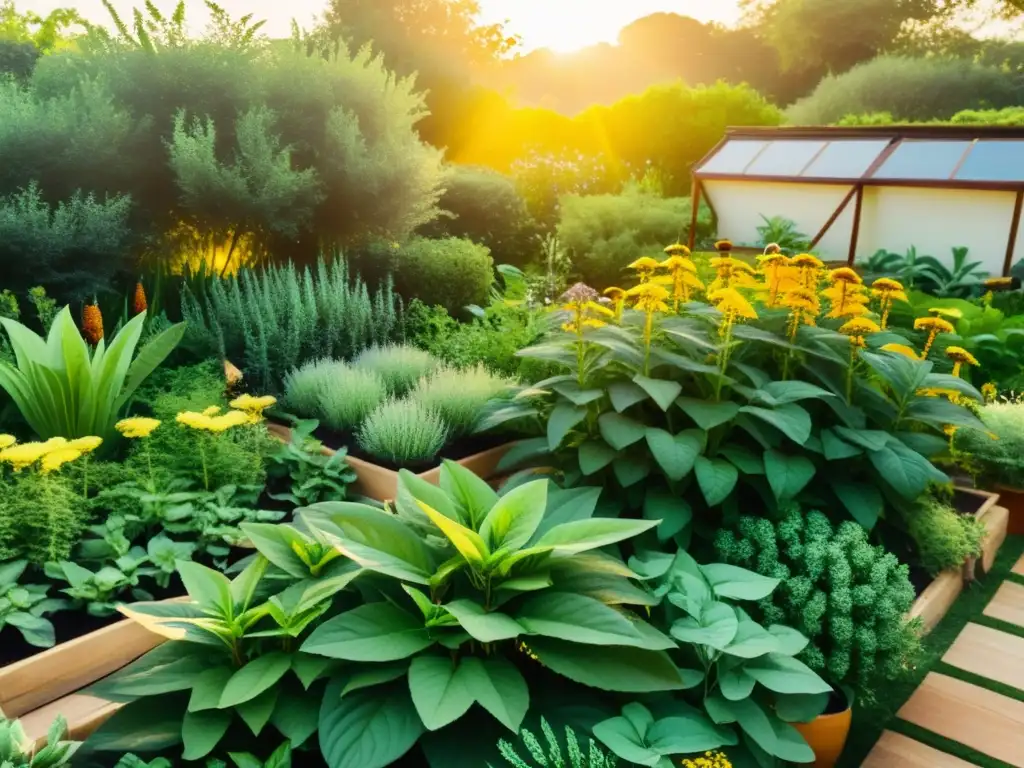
(860, 326)
(23, 455)
(888, 291)
(845, 275)
(54, 460)
(901, 349)
(960, 357)
(213, 410)
(934, 326)
(137, 428)
(730, 302)
(618, 299)
(6, 441)
(682, 277)
(86, 444)
(677, 249)
(645, 267)
(649, 298)
(989, 392)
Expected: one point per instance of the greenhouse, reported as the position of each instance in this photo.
(856, 191)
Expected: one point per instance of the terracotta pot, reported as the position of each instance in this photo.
(827, 736)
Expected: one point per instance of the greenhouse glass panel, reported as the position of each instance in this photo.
(733, 157)
(994, 161)
(845, 159)
(785, 158)
(923, 160)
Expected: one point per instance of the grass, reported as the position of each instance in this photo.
(870, 719)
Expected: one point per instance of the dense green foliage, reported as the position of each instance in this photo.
(995, 454)
(459, 396)
(945, 539)
(399, 365)
(451, 272)
(484, 206)
(604, 234)
(274, 320)
(849, 597)
(41, 517)
(403, 432)
(908, 89)
(341, 396)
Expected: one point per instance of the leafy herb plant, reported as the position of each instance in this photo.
(24, 606)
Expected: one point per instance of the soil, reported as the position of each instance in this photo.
(836, 703)
(460, 449)
(966, 503)
(67, 625)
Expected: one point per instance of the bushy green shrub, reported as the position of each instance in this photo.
(450, 272)
(402, 432)
(304, 385)
(350, 397)
(606, 233)
(995, 456)
(76, 248)
(944, 538)
(908, 89)
(459, 396)
(41, 516)
(493, 340)
(849, 597)
(482, 205)
(274, 320)
(400, 366)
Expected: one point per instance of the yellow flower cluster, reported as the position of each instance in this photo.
(51, 455)
(731, 273)
(989, 391)
(709, 760)
(253, 405)
(847, 293)
(645, 267)
(960, 357)
(137, 428)
(934, 326)
(581, 301)
(887, 291)
(208, 422)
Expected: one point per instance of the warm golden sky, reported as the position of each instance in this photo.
(560, 24)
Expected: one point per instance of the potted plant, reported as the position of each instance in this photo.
(847, 596)
(397, 408)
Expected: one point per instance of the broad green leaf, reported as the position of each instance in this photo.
(783, 392)
(524, 452)
(498, 687)
(571, 391)
(630, 468)
(735, 684)
(907, 472)
(567, 506)
(514, 518)
(373, 632)
(208, 689)
(140, 727)
(412, 489)
(256, 712)
(609, 588)
(376, 674)
(790, 641)
(563, 418)
(784, 674)
(210, 589)
(485, 626)
(787, 475)
(675, 454)
(582, 535)
(595, 455)
(863, 501)
(576, 618)
(254, 678)
(751, 641)
(791, 420)
(746, 461)
(790, 745)
(623, 739)
(309, 668)
(716, 628)
(717, 478)
(937, 412)
(201, 732)
(869, 439)
(613, 668)
(275, 542)
(438, 691)
(367, 729)
(672, 510)
(664, 393)
(468, 543)
(800, 707)
(625, 394)
(708, 414)
(688, 734)
(296, 717)
(755, 723)
(471, 494)
(619, 431)
(837, 449)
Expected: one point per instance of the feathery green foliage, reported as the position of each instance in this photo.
(450, 272)
(352, 394)
(274, 320)
(303, 386)
(944, 538)
(847, 596)
(399, 365)
(402, 432)
(41, 517)
(551, 755)
(997, 457)
(459, 396)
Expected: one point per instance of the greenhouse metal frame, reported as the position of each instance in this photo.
(915, 180)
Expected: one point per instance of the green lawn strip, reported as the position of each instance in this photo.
(1015, 577)
(1002, 626)
(950, 747)
(982, 682)
(871, 718)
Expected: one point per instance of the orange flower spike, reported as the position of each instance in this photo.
(92, 324)
(139, 303)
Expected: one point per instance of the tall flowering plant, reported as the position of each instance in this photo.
(776, 384)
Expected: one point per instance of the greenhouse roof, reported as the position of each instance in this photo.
(968, 157)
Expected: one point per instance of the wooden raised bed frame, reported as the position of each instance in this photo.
(381, 484)
(37, 689)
